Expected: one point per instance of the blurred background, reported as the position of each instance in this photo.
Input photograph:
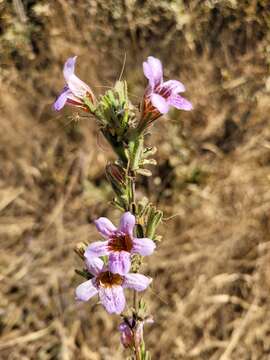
(210, 298)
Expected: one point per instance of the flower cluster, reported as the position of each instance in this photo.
(109, 280)
(113, 264)
(158, 98)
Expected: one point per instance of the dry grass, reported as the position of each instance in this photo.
(210, 298)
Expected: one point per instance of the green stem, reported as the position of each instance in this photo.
(130, 166)
(131, 207)
(131, 204)
(135, 302)
(137, 353)
(116, 146)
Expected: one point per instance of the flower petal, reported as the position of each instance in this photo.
(69, 67)
(62, 99)
(94, 264)
(179, 102)
(97, 249)
(105, 227)
(86, 290)
(127, 223)
(149, 75)
(174, 86)
(113, 299)
(119, 262)
(77, 86)
(160, 103)
(124, 326)
(137, 282)
(143, 246)
(152, 69)
(74, 99)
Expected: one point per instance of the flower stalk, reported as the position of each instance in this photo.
(114, 264)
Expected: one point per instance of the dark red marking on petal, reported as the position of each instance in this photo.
(78, 104)
(108, 279)
(120, 242)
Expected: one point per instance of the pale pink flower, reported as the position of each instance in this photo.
(109, 286)
(120, 243)
(161, 95)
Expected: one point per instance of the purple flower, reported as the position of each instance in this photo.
(109, 286)
(75, 89)
(132, 331)
(120, 243)
(160, 95)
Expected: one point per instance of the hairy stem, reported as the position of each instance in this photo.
(129, 168)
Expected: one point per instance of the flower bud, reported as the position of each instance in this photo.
(117, 177)
(132, 331)
(116, 174)
(126, 334)
(80, 249)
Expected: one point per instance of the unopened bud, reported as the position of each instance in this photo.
(80, 249)
(154, 218)
(144, 172)
(131, 330)
(116, 174)
(149, 162)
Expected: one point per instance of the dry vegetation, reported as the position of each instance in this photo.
(211, 296)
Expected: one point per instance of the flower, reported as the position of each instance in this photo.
(160, 95)
(132, 331)
(75, 90)
(120, 243)
(109, 286)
